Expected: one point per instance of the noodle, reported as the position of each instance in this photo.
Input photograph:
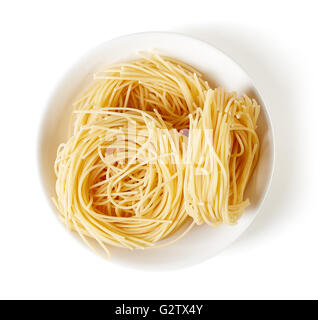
(153, 146)
(222, 152)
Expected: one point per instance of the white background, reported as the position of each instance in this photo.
(274, 41)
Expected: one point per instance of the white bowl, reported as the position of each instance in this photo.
(203, 242)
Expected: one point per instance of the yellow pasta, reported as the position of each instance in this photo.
(153, 146)
(221, 155)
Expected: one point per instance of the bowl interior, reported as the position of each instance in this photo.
(202, 242)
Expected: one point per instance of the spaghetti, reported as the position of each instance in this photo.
(154, 146)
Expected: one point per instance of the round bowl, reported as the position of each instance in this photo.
(203, 242)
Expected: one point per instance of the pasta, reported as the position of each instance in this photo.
(153, 146)
(222, 153)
